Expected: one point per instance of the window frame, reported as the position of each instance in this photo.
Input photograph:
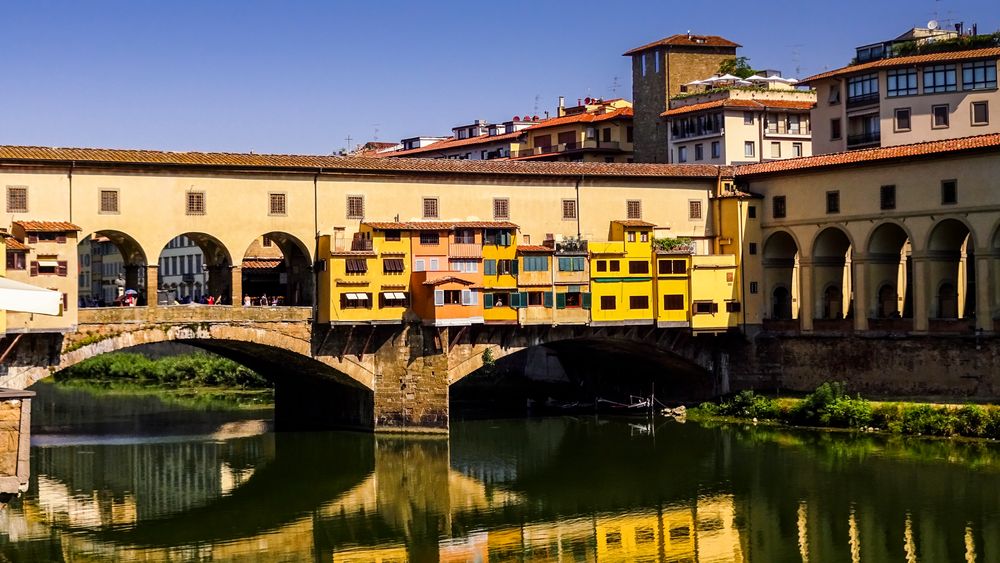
(894, 91)
(569, 205)
(895, 120)
(189, 209)
(610, 299)
(779, 207)
(101, 192)
(934, 116)
(949, 191)
(638, 302)
(972, 113)
(931, 75)
(970, 83)
(749, 149)
(637, 205)
(427, 242)
(836, 129)
(277, 197)
(434, 202)
(887, 197)
(695, 210)
(350, 200)
(13, 189)
(501, 209)
(832, 202)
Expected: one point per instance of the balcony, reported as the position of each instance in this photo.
(865, 100)
(571, 246)
(591, 144)
(361, 245)
(465, 250)
(871, 138)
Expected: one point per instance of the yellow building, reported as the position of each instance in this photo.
(620, 275)
(635, 537)
(367, 282)
(45, 256)
(673, 286)
(534, 283)
(501, 299)
(714, 292)
(571, 282)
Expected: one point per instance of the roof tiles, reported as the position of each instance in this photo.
(533, 248)
(738, 103)
(686, 40)
(47, 226)
(907, 61)
(438, 225)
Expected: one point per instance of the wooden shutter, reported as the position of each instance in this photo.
(34, 267)
(32, 238)
(585, 300)
(61, 238)
(490, 267)
(487, 301)
(62, 268)
(513, 267)
(560, 301)
(547, 299)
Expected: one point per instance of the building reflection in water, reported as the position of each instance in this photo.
(378, 499)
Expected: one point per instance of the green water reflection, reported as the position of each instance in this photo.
(560, 489)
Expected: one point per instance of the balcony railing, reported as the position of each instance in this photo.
(863, 139)
(364, 245)
(567, 147)
(571, 246)
(465, 250)
(865, 100)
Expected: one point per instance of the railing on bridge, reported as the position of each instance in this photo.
(192, 313)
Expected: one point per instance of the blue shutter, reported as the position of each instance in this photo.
(487, 301)
(547, 299)
(585, 300)
(578, 264)
(490, 267)
(560, 301)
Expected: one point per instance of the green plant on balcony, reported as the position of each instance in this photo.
(669, 244)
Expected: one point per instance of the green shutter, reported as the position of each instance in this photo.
(490, 267)
(513, 267)
(560, 301)
(487, 301)
(547, 299)
(515, 300)
(585, 300)
(578, 264)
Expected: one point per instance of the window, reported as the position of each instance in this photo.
(419, 265)
(630, 236)
(778, 208)
(940, 116)
(430, 208)
(748, 149)
(699, 152)
(465, 236)
(752, 248)
(981, 75)
(501, 208)
(751, 211)
(466, 266)
(643, 237)
(608, 303)
(902, 119)
(574, 264)
(887, 197)
(265, 241)
(497, 237)
(901, 82)
(628, 134)
(430, 237)
(277, 204)
(355, 207)
(392, 235)
(606, 135)
(940, 78)
(796, 149)
(433, 265)
(732, 306)
(602, 266)
(393, 299)
(754, 287)
(833, 201)
(980, 113)
(638, 302)
(16, 260)
(748, 118)
(393, 266)
(716, 150)
(705, 307)
(17, 199)
(694, 209)
(673, 302)
(196, 203)
(447, 297)
(48, 265)
(794, 124)
(633, 209)
(949, 191)
(835, 129)
(682, 154)
(775, 150)
(834, 95)
(534, 298)
(109, 201)
(536, 263)
(862, 89)
(614, 266)
(666, 267)
(356, 266)
(569, 209)
(638, 267)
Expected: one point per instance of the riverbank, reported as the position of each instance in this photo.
(830, 406)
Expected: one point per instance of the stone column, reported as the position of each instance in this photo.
(859, 287)
(807, 299)
(152, 284)
(237, 286)
(921, 293)
(411, 382)
(984, 290)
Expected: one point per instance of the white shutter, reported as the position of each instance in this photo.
(473, 298)
(438, 297)
(434, 264)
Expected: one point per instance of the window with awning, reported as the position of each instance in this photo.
(355, 300)
(393, 266)
(356, 266)
(394, 299)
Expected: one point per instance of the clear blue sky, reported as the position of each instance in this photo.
(299, 77)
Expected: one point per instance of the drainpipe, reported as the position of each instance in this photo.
(72, 164)
(760, 134)
(578, 235)
(316, 272)
(743, 279)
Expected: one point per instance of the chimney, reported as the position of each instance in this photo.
(561, 111)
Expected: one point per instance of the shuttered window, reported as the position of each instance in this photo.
(109, 201)
(673, 302)
(195, 203)
(356, 266)
(17, 199)
(393, 266)
(277, 204)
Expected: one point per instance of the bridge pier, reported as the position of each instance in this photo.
(411, 381)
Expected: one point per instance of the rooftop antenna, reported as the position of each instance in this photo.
(537, 97)
(796, 58)
(349, 139)
(375, 138)
(614, 86)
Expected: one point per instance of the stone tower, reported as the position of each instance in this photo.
(658, 71)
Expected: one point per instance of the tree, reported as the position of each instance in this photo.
(739, 66)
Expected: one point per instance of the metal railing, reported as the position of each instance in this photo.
(870, 138)
(865, 100)
(590, 144)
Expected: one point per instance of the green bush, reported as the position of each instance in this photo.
(829, 405)
(928, 420)
(193, 370)
(747, 404)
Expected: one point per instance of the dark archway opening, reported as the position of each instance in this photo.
(952, 269)
(890, 270)
(832, 274)
(194, 268)
(111, 264)
(277, 270)
(781, 276)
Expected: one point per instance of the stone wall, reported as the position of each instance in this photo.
(15, 426)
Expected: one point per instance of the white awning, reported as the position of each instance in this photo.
(48, 263)
(351, 296)
(25, 298)
(398, 296)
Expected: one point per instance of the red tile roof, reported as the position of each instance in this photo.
(438, 225)
(46, 226)
(261, 264)
(533, 248)
(453, 143)
(633, 223)
(14, 244)
(686, 40)
(585, 117)
(908, 61)
(738, 103)
(339, 164)
(448, 279)
(875, 155)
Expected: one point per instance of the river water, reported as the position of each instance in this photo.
(136, 480)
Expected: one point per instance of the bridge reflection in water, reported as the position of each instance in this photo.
(542, 490)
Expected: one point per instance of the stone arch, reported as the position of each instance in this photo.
(120, 252)
(278, 264)
(950, 258)
(832, 250)
(191, 258)
(888, 264)
(780, 259)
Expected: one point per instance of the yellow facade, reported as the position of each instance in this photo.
(364, 283)
(673, 281)
(50, 262)
(3, 274)
(628, 538)
(621, 278)
(571, 279)
(715, 304)
(534, 283)
(501, 299)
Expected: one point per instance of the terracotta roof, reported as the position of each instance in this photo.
(633, 223)
(873, 155)
(907, 61)
(261, 264)
(533, 248)
(14, 244)
(686, 40)
(346, 164)
(448, 279)
(454, 143)
(585, 117)
(439, 225)
(46, 226)
(738, 103)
